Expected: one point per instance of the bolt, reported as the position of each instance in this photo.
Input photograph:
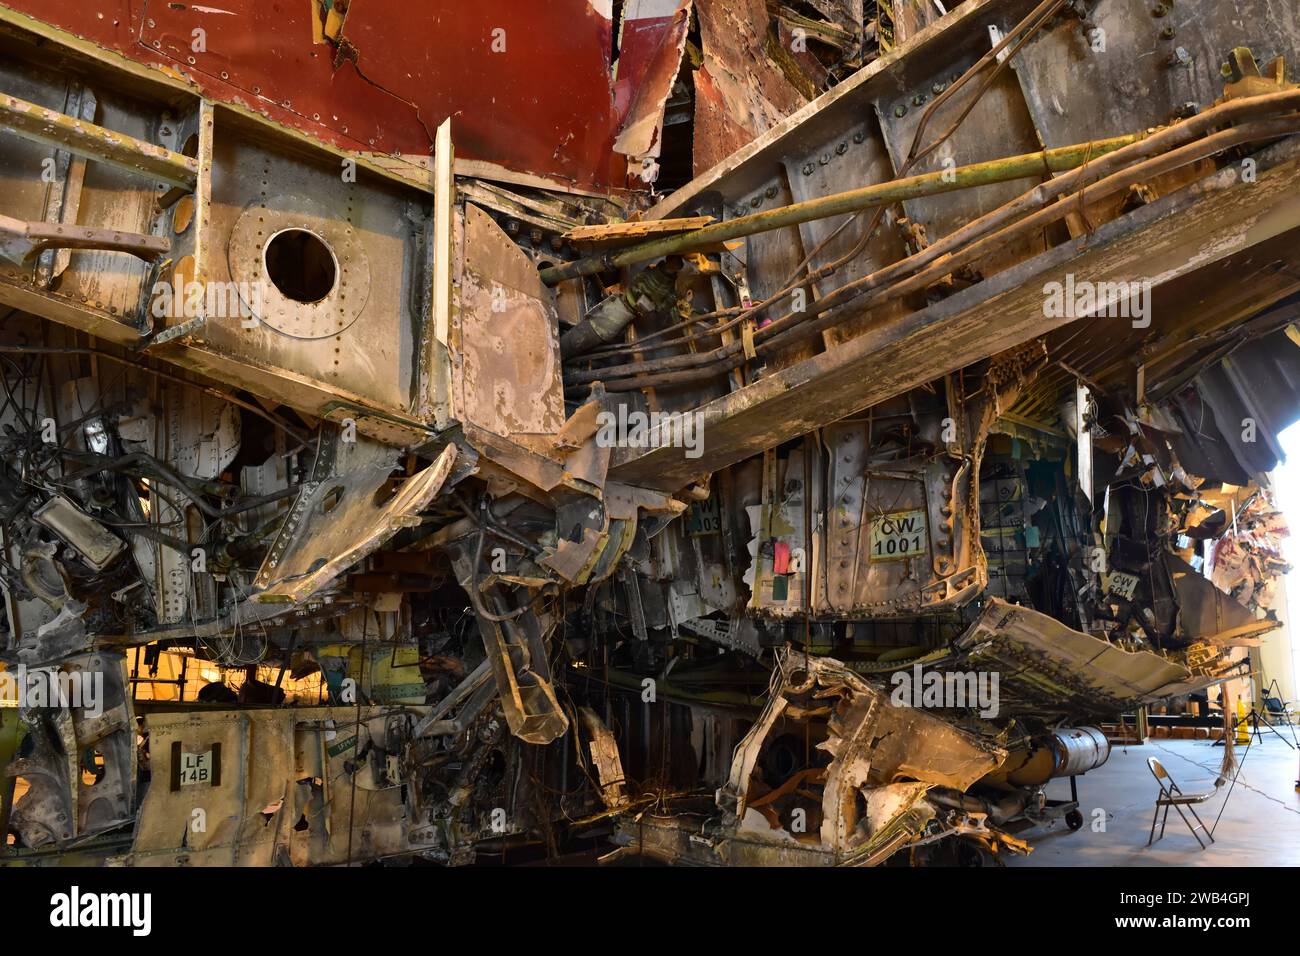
(1169, 32)
(859, 136)
(808, 169)
(938, 88)
(900, 110)
(1160, 10)
(825, 158)
(919, 99)
(756, 202)
(841, 149)
(770, 192)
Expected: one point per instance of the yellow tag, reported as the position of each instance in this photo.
(747, 336)
(317, 28)
(333, 23)
(703, 263)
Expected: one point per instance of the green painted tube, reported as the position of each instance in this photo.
(882, 194)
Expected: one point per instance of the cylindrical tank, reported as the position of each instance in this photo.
(1067, 752)
(1078, 750)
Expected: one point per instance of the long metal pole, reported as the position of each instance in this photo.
(881, 194)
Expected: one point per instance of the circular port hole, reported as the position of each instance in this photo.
(300, 265)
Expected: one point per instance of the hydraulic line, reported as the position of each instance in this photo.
(879, 194)
(999, 57)
(991, 172)
(215, 392)
(1122, 180)
(1035, 199)
(792, 214)
(793, 327)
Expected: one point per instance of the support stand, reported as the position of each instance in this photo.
(1253, 720)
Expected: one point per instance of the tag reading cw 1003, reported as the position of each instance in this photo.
(897, 536)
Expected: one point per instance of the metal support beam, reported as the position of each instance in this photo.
(1172, 237)
(48, 235)
(1011, 168)
(60, 131)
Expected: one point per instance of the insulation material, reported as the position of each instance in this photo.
(1248, 561)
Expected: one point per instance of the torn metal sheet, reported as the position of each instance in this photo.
(294, 787)
(507, 374)
(74, 738)
(392, 478)
(653, 40)
(1046, 667)
(1207, 614)
(739, 93)
(340, 515)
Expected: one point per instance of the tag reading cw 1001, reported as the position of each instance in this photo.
(897, 536)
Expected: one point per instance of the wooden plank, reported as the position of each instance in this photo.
(627, 233)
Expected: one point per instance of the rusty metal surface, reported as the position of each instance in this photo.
(1048, 668)
(871, 743)
(507, 370)
(843, 107)
(416, 64)
(854, 155)
(284, 795)
(83, 138)
(1137, 61)
(769, 411)
(830, 523)
(739, 92)
(650, 55)
(999, 125)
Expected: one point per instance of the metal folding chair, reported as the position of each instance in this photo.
(1172, 796)
(1279, 711)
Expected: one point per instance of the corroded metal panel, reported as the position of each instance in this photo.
(402, 69)
(508, 359)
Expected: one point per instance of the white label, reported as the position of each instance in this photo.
(898, 535)
(1123, 584)
(196, 768)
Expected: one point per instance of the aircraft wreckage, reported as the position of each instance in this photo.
(783, 435)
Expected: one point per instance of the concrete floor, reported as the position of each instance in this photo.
(1260, 827)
